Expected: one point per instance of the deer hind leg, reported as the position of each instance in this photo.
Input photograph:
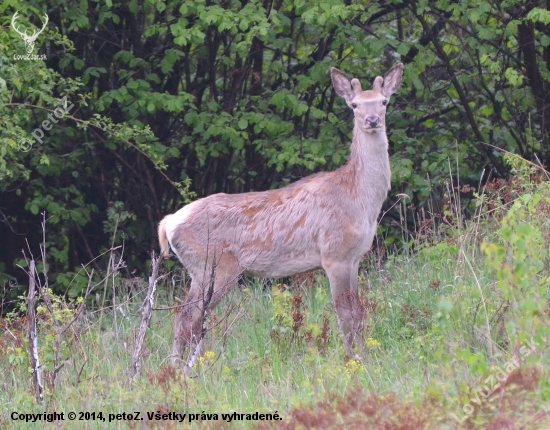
(186, 331)
(205, 293)
(343, 286)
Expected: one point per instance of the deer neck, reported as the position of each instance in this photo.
(367, 173)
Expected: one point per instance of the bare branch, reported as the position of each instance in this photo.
(33, 337)
(135, 367)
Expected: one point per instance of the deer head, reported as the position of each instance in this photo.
(369, 107)
(29, 40)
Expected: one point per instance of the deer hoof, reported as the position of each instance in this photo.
(354, 357)
(189, 372)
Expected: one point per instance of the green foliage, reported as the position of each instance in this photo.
(176, 100)
(55, 343)
(282, 306)
(521, 258)
(297, 318)
(441, 251)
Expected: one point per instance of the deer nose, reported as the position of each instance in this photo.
(372, 120)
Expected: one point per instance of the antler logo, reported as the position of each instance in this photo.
(29, 40)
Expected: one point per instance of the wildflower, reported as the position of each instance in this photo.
(226, 373)
(207, 359)
(373, 342)
(352, 367)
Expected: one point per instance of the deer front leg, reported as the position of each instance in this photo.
(357, 309)
(343, 286)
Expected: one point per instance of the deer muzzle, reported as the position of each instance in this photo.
(372, 121)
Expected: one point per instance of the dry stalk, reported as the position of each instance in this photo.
(60, 329)
(135, 368)
(33, 337)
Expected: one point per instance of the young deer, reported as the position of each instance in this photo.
(327, 220)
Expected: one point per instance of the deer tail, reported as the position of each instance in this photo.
(163, 240)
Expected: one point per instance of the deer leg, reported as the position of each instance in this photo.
(185, 326)
(202, 298)
(340, 275)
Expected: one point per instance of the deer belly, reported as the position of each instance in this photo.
(277, 266)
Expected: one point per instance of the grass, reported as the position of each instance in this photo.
(441, 323)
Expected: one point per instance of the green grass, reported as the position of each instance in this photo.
(437, 328)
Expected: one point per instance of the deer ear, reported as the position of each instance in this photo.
(392, 80)
(342, 84)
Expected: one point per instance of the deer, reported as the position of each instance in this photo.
(324, 221)
(29, 40)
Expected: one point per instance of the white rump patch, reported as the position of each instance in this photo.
(176, 219)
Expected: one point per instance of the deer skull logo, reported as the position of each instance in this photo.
(29, 40)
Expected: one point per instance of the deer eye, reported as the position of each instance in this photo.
(354, 105)
(385, 102)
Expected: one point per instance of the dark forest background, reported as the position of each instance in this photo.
(177, 100)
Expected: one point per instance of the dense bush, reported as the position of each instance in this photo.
(174, 98)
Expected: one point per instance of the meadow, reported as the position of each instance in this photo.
(456, 330)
